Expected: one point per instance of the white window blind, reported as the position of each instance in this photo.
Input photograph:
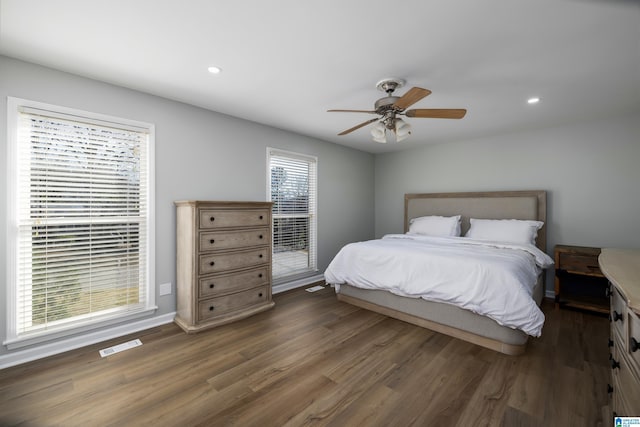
(82, 220)
(292, 189)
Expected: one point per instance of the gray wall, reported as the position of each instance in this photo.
(591, 171)
(199, 155)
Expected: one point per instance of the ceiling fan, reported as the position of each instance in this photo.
(390, 127)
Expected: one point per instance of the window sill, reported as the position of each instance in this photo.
(50, 337)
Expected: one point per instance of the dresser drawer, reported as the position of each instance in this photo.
(618, 403)
(225, 304)
(633, 350)
(627, 385)
(226, 283)
(212, 240)
(214, 218)
(618, 314)
(215, 263)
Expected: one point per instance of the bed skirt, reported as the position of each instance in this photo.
(444, 318)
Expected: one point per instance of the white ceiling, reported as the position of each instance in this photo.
(285, 62)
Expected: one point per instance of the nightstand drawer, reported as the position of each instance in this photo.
(222, 305)
(577, 263)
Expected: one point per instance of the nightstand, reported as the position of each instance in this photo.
(579, 283)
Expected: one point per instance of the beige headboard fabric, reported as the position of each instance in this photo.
(530, 205)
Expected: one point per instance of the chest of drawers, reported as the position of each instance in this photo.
(223, 263)
(622, 268)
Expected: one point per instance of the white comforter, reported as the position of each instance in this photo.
(489, 278)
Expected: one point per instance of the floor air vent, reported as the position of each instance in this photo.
(120, 347)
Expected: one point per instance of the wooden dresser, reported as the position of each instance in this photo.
(223, 262)
(622, 268)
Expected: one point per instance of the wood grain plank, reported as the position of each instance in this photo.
(314, 361)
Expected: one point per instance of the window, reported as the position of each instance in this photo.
(292, 189)
(80, 221)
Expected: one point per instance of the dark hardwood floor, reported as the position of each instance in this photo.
(315, 361)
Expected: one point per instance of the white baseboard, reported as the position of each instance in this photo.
(45, 350)
(296, 283)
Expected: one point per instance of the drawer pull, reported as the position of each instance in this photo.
(635, 345)
(211, 308)
(212, 218)
(260, 294)
(610, 342)
(211, 263)
(260, 275)
(617, 316)
(260, 256)
(211, 286)
(615, 364)
(260, 216)
(212, 241)
(260, 236)
(609, 389)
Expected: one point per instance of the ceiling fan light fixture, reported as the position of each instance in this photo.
(402, 130)
(378, 132)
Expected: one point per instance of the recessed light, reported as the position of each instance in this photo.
(214, 70)
(533, 100)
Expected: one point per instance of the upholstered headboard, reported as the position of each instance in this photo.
(487, 205)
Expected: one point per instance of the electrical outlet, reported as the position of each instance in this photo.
(165, 289)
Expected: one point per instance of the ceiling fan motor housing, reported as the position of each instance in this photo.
(384, 104)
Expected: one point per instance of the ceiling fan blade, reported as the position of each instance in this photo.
(412, 96)
(351, 111)
(357, 127)
(437, 113)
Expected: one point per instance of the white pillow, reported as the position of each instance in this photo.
(435, 225)
(505, 230)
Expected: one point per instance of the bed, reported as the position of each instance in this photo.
(444, 317)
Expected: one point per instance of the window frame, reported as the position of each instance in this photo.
(312, 214)
(14, 339)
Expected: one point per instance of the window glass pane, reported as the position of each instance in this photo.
(289, 186)
(82, 221)
(292, 180)
(291, 234)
